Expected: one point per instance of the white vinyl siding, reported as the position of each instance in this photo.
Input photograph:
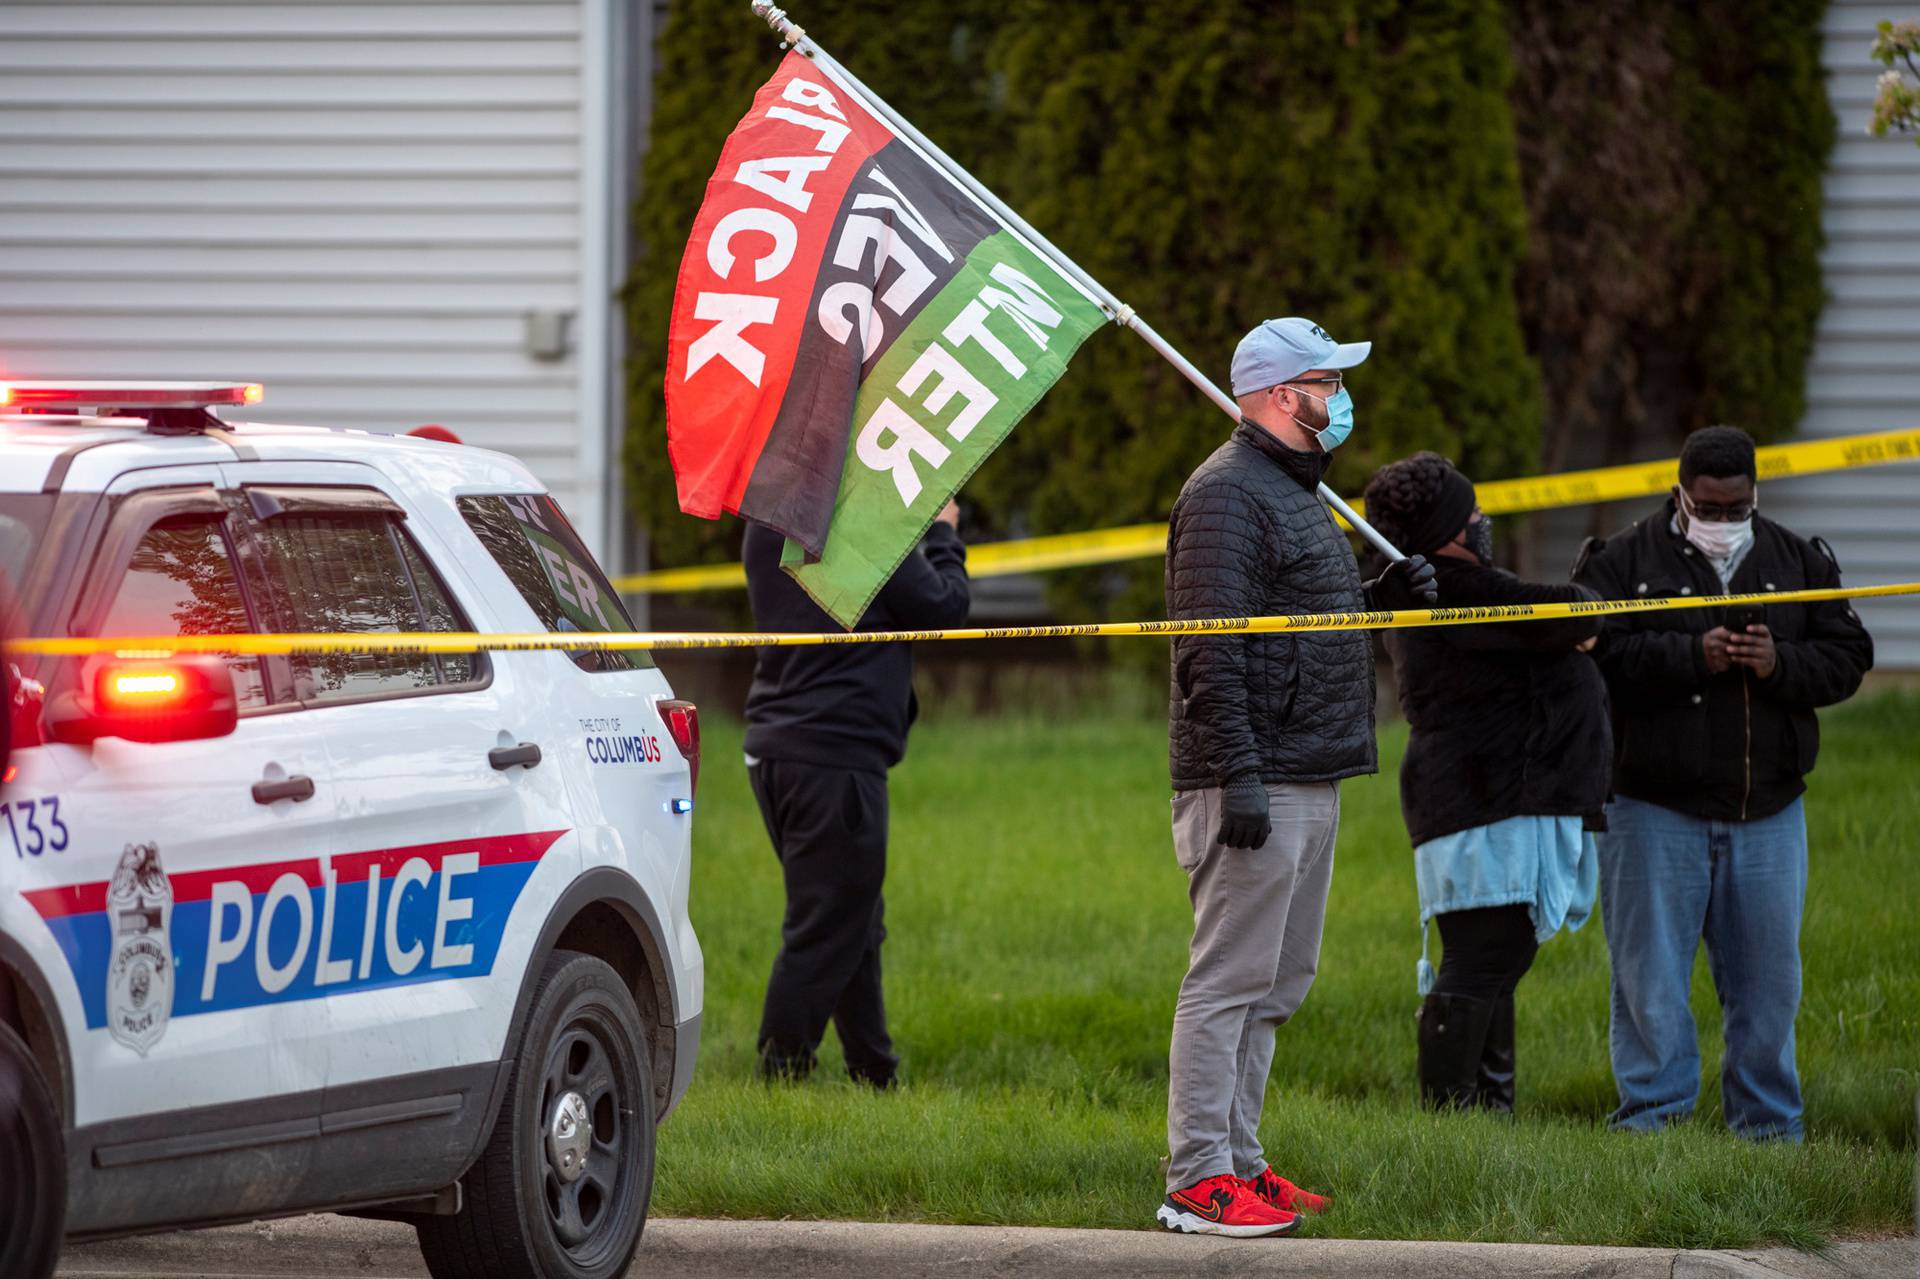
(355, 204)
(1865, 373)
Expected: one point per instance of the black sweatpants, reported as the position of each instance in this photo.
(1484, 953)
(829, 830)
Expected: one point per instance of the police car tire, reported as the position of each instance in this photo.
(504, 1229)
(33, 1165)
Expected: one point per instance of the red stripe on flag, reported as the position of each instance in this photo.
(724, 315)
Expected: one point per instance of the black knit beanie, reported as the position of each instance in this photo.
(1452, 507)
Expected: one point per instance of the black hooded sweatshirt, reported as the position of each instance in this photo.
(847, 705)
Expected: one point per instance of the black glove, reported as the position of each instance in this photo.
(1408, 583)
(1245, 821)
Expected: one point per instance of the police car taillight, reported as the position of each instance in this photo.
(683, 722)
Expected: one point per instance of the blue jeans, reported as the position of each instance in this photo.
(1667, 880)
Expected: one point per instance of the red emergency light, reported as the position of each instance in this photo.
(128, 395)
(146, 699)
(140, 688)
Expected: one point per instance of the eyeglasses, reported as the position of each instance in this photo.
(1715, 513)
(1336, 380)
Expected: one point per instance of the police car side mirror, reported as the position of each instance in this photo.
(174, 699)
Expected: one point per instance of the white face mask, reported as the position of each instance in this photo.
(1717, 540)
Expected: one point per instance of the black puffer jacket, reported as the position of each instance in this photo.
(1508, 719)
(1247, 538)
(1726, 747)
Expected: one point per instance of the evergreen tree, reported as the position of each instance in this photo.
(1673, 161)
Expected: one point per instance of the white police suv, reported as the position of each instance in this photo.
(390, 934)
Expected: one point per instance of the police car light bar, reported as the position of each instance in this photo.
(128, 395)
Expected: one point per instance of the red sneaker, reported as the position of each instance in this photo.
(1223, 1205)
(1284, 1195)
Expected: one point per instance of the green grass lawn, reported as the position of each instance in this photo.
(1039, 928)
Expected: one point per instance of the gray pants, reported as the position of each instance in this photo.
(1256, 944)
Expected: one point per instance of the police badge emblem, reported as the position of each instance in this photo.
(140, 973)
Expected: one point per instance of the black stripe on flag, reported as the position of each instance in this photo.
(902, 233)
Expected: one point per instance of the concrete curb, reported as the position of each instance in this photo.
(679, 1248)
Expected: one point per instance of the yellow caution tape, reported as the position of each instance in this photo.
(415, 642)
(1497, 497)
(1643, 479)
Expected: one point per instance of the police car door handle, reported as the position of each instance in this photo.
(295, 788)
(526, 754)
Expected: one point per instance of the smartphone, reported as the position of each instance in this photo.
(1741, 616)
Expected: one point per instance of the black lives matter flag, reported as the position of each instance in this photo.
(852, 334)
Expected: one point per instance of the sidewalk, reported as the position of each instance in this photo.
(677, 1248)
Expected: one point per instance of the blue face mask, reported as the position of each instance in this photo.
(1339, 419)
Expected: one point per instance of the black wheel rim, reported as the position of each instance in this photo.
(585, 1204)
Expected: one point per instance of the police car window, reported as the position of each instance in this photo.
(181, 581)
(436, 610)
(532, 541)
(359, 572)
(23, 518)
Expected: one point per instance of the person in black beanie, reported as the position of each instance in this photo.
(824, 724)
(1504, 780)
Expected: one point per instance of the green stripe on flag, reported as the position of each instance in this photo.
(950, 388)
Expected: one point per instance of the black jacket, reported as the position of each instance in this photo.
(844, 704)
(1507, 719)
(1248, 537)
(1728, 747)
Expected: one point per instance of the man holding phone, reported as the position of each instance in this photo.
(1714, 733)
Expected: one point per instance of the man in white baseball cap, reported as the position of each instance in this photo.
(1264, 727)
(1273, 366)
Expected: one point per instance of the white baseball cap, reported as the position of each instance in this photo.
(1281, 350)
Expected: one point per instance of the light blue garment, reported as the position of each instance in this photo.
(1549, 863)
(1339, 420)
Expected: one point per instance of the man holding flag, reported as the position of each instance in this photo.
(1263, 729)
(824, 724)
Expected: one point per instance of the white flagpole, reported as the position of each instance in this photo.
(1122, 314)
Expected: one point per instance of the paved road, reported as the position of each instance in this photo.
(326, 1247)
